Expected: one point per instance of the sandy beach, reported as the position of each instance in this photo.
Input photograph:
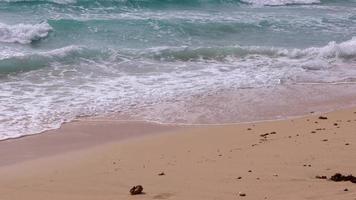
(264, 160)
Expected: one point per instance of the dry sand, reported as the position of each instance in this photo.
(207, 163)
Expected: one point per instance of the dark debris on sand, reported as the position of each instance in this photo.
(339, 177)
(321, 177)
(135, 190)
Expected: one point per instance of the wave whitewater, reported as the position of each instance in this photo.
(44, 1)
(280, 2)
(23, 62)
(310, 58)
(177, 2)
(333, 50)
(96, 87)
(162, 59)
(23, 33)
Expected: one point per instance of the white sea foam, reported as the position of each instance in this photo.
(12, 60)
(331, 51)
(345, 50)
(23, 33)
(8, 53)
(151, 88)
(256, 2)
(64, 1)
(53, 1)
(280, 2)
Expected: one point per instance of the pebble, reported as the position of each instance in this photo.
(241, 194)
(135, 190)
(321, 177)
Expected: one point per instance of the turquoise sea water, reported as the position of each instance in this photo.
(60, 59)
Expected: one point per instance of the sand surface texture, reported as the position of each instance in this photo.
(267, 160)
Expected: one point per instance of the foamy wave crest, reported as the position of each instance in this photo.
(64, 1)
(280, 2)
(51, 1)
(344, 50)
(23, 33)
(22, 62)
(256, 2)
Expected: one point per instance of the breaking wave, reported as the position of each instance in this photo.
(23, 33)
(309, 58)
(88, 82)
(11, 62)
(168, 2)
(333, 50)
(280, 2)
(23, 62)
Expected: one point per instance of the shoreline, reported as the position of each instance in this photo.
(223, 106)
(69, 131)
(265, 160)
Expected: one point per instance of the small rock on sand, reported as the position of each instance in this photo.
(241, 194)
(264, 135)
(135, 190)
(323, 117)
(321, 177)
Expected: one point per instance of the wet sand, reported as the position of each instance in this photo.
(103, 160)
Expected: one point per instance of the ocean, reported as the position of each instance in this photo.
(150, 59)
